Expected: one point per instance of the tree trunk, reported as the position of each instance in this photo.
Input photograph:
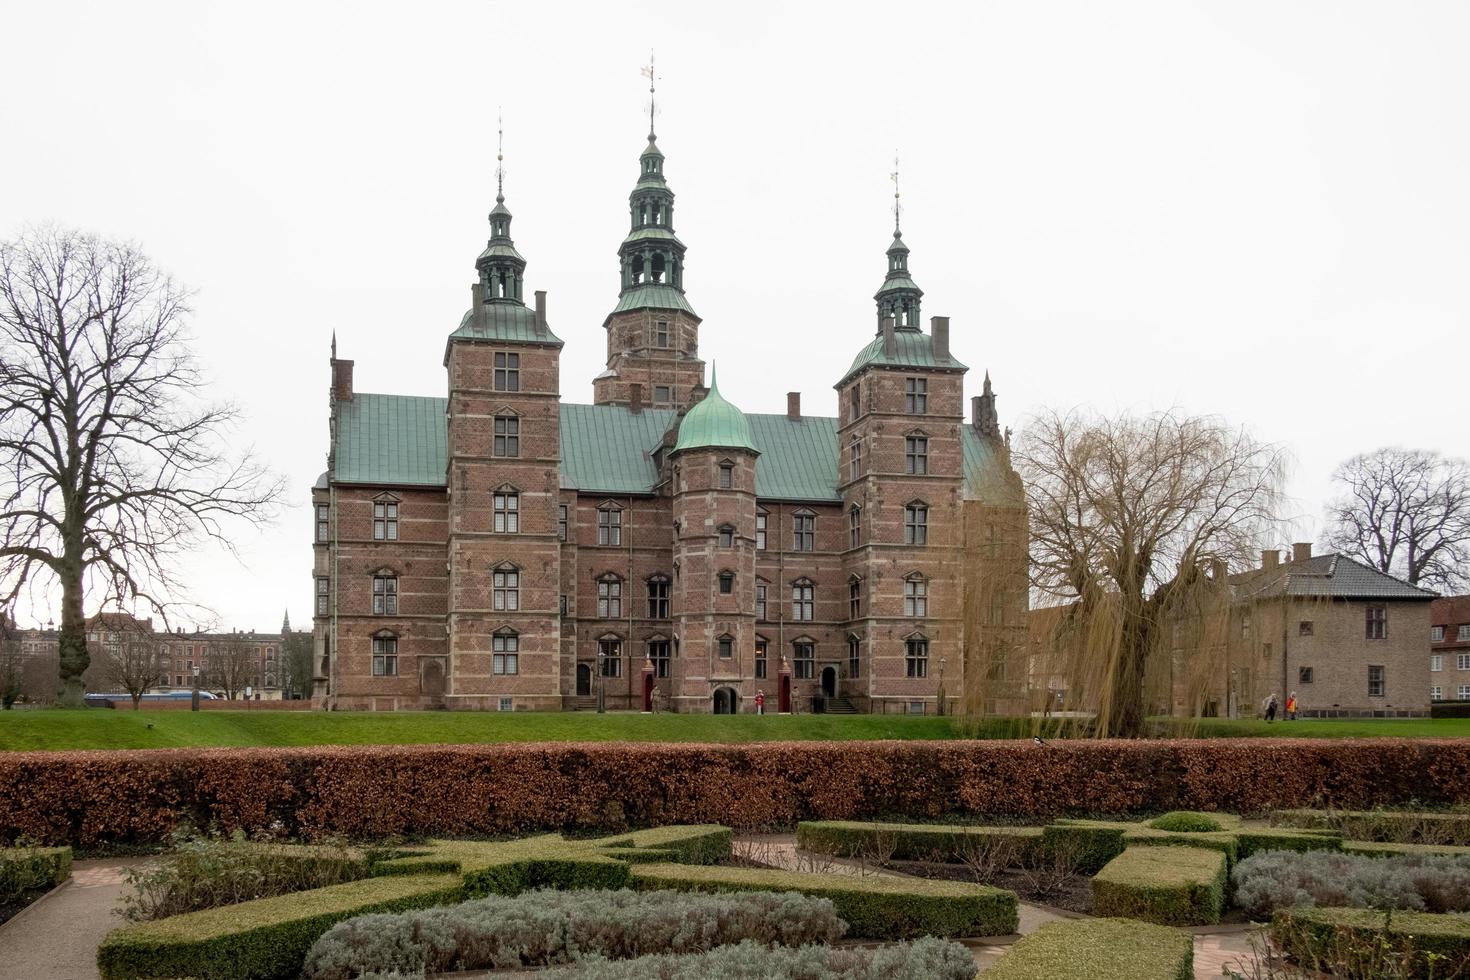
(1127, 695)
(136, 698)
(74, 659)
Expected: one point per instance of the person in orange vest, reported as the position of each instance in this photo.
(1291, 706)
(760, 702)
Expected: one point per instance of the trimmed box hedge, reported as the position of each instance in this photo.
(873, 906)
(907, 841)
(1311, 935)
(1172, 886)
(1388, 849)
(1098, 949)
(25, 869)
(1383, 825)
(361, 792)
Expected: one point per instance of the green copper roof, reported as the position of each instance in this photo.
(714, 424)
(398, 440)
(896, 283)
(653, 296)
(500, 249)
(798, 457)
(654, 233)
(912, 350)
(503, 321)
(607, 448)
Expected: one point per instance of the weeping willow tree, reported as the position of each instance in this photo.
(1133, 522)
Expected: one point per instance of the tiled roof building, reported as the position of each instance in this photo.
(498, 548)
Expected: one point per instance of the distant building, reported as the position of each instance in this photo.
(1449, 648)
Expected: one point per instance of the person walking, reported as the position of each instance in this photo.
(1291, 706)
(760, 702)
(1270, 709)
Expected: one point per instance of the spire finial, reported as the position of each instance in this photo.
(894, 177)
(714, 376)
(648, 74)
(499, 156)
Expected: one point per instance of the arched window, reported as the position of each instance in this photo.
(385, 593)
(916, 523)
(915, 596)
(505, 582)
(506, 651)
(803, 600)
(609, 597)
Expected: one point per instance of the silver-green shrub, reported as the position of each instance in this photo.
(922, 959)
(551, 927)
(1273, 880)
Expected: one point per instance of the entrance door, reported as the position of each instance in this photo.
(584, 680)
(829, 682)
(725, 702)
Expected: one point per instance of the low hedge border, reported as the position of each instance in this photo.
(1314, 935)
(1382, 825)
(1098, 949)
(1099, 841)
(1387, 849)
(1172, 886)
(116, 798)
(906, 841)
(26, 869)
(873, 906)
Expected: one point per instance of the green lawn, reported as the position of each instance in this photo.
(94, 728)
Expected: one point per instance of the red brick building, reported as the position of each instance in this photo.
(500, 549)
(1449, 648)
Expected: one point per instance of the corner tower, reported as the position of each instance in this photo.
(652, 332)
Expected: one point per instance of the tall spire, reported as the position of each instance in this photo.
(648, 73)
(502, 269)
(899, 295)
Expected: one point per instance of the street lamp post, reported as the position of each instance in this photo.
(601, 680)
(194, 694)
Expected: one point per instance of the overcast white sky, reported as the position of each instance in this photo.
(1256, 209)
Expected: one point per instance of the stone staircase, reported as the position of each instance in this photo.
(585, 704)
(840, 706)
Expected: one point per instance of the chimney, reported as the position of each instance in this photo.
(1270, 558)
(1301, 551)
(341, 380)
(793, 406)
(939, 327)
(635, 390)
(890, 341)
(540, 311)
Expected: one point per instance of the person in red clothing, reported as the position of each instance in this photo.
(760, 702)
(1291, 706)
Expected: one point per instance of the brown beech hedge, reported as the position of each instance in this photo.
(101, 798)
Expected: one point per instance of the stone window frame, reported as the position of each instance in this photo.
(725, 581)
(854, 526)
(762, 520)
(916, 595)
(916, 523)
(762, 657)
(855, 457)
(386, 514)
(916, 396)
(506, 432)
(726, 475)
(854, 655)
(916, 651)
(916, 452)
(1377, 682)
(563, 516)
(609, 596)
(725, 646)
(505, 505)
(505, 652)
(506, 374)
(610, 524)
(726, 534)
(1375, 622)
(660, 658)
(385, 592)
(803, 600)
(854, 597)
(762, 597)
(660, 335)
(385, 654)
(505, 587)
(803, 668)
(323, 595)
(804, 530)
(323, 523)
(660, 588)
(610, 664)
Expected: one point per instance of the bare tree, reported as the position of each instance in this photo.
(113, 465)
(1126, 515)
(1405, 512)
(232, 666)
(134, 663)
(296, 657)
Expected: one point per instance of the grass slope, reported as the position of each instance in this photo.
(92, 728)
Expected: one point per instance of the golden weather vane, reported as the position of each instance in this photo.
(499, 153)
(894, 177)
(648, 74)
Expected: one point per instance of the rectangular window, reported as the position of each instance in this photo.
(507, 372)
(854, 648)
(760, 659)
(803, 601)
(854, 527)
(1376, 622)
(916, 657)
(661, 333)
(1304, 628)
(1304, 675)
(658, 598)
(727, 476)
(1464, 692)
(805, 533)
(727, 648)
(609, 599)
(561, 522)
(854, 598)
(1436, 694)
(1462, 661)
(916, 524)
(916, 454)
(610, 654)
(760, 600)
(1463, 634)
(662, 394)
(727, 537)
(916, 396)
(562, 603)
(916, 708)
(322, 596)
(854, 402)
(507, 435)
(855, 459)
(760, 531)
(1375, 682)
(507, 513)
(506, 653)
(915, 597)
(385, 521)
(385, 656)
(804, 663)
(323, 522)
(727, 583)
(658, 652)
(385, 595)
(507, 590)
(1436, 634)
(507, 704)
(609, 526)
(1436, 662)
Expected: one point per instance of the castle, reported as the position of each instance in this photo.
(501, 549)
